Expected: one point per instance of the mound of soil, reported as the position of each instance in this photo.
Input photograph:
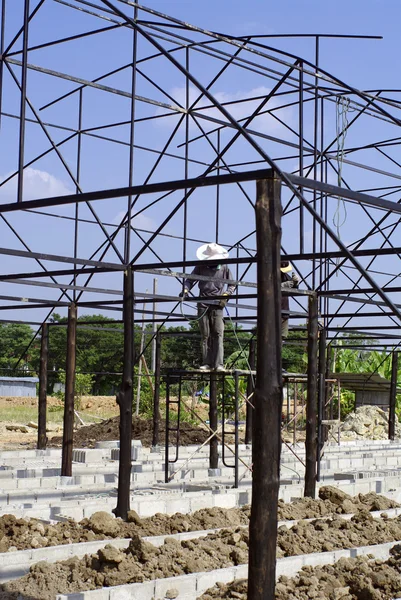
(142, 429)
(141, 561)
(20, 534)
(348, 579)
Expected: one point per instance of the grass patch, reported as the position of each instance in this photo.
(24, 414)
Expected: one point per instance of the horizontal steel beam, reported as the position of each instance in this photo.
(334, 190)
(58, 258)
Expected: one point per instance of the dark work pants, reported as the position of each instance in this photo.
(211, 326)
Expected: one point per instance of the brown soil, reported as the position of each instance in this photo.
(85, 437)
(20, 534)
(141, 561)
(348, 579)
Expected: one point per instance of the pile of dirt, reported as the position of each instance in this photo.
(141, 561)
(348, 579)
(367, 422)
(326, 535)
(20, 534)
(142, 429)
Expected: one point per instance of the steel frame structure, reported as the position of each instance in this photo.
(221, 140)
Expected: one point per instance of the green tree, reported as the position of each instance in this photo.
(83, 386)
(14, 341)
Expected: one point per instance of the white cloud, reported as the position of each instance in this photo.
(37, 184)
(141, 221)
(243, 108)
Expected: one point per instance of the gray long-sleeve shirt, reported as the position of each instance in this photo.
(215, 286)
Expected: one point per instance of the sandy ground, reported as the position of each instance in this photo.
(25, 437)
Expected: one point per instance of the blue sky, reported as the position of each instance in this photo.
(366, 64)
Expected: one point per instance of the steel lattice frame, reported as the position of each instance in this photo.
(160, 136)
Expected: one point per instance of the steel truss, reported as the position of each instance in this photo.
(224, 145)
(154, 148)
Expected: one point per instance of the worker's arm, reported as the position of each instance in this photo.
(230, 288)
(189, 283)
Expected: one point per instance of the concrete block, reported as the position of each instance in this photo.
(185, 585)
(181, 505)
(134, 591)
(107, 445)
(241, 572)
(87, 456)
(200, 502)
(204, 581)
(225, 500)
(214, 472)
(151, 507)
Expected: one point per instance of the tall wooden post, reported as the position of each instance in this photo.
(268, 397)
(213, 422)
(321, 399)
(156, 394)
(311, 400)
(393, 396)
(68, 428)
(44, 348)
(125, 400)
(249, 389)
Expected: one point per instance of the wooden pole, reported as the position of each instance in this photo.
(156, 394)
(44, 350)
(311, 400)
(249, 390)
(393, 396)
(125, 400)
(68, 427)
(213, 422)
(268, 397)
(321, 438)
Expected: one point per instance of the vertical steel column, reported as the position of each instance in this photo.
(186, 157)
(44, 350)
(125, 400)
(315, 156)
(68, 426)
(268, 398)
(236, 419)
(154, 328)
(127, 237)
(250, 389)
(166, 437)
(2, 45)
(213, 422)
(321, 398)
(218, 149)
(24, 73)
(301, 153)
(311, 401)
(156, 395)
(393, 396)
(77, 187)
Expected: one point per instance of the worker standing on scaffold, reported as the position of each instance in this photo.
(287, 282)
(211, 315)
